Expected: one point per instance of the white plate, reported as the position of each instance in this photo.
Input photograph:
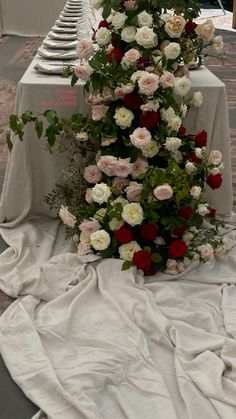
(60, 29)
(68, 19)
(57, 55)
(66, 24)
(55, 44)
(63, 36)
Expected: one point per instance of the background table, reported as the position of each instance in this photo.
(32, 172)
(28, 17)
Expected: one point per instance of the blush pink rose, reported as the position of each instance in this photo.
(88, 196)
(130, 4)
(98, 112)
(92, 174)
(83, 72)
(107, 165)
(163, 192)
(140, 166)
(134, 191)
(88, 227)
(132, 55)
(215, 157)
(141, 137)
(107, 94)
(95, 100)
(83, 249)
(148, 83)
(85, 49)
(124, 89)
(119, 183)
(123, 168)
(167, 79)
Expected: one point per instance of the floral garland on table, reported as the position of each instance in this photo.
(144, 187)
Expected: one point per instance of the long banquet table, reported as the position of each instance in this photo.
(32, 172)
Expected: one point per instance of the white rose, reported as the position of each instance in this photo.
(202, 210)
(217, 43)
(150, 150)
(171, 264)
(187, 237)
(197, 99)
(206, 251)
(128, 34)
(100, 214)
(196, 191)
(137, 75)
(165, 17)
(103, 37)
(100, 240)
(175, 26)
(127, 250)
(66, 217)
(96, 4)
(205, 30)
(175, 123)
(159, 241)
(146, 37)
(190, 168)
(121, 200)
(184, 110)
(163, 192)
(200, 152)
(215, 157)
(182, 86)
(151, 105)
(173, 143)
(172, 51)
(168, 114)
(133, 214)
(115, 224)
(100, 193)
(118, 19)
(81, 136)
(123, 118)
(145, 19)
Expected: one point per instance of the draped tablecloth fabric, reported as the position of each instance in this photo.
(85, 340)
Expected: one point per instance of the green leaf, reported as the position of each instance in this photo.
(106, 11)
(8, 141)
(74, 79)
(126, 265)
(14, 123)
(51, 135)
(39, 128)
(156, 258)
(147, 249)
(51, 116)
(28, 117)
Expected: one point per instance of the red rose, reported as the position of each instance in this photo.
(214, 181)
(115, 55)
(142, 62)
(186, 212)
(103, 24)
(177, 248)
(212, 213)
(132, 101)
(151, 271)
(124, 235)
(142, 259)
(192, 157)
(201, 139)
(149, 119)
(148, 231)
(179, 230)
(182, 131)
(190, 26)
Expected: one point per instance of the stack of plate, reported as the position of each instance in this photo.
(59, 46)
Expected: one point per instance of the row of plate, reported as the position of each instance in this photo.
(60, 43)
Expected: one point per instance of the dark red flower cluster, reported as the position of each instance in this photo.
(214, 181)
(132, 101)
(190, 26)
(149, 119)
(186, 212)
(193, 158)
(182, 131)
(201, 139)
(178, 231)
(124, 235)
(177, 249)
(103, 24)
(148, 231)
(115, 55)
(143, 260)
(212, 212)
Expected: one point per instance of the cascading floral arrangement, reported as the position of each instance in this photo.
(146, 175)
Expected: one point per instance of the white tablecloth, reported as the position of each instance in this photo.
(28, 17)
